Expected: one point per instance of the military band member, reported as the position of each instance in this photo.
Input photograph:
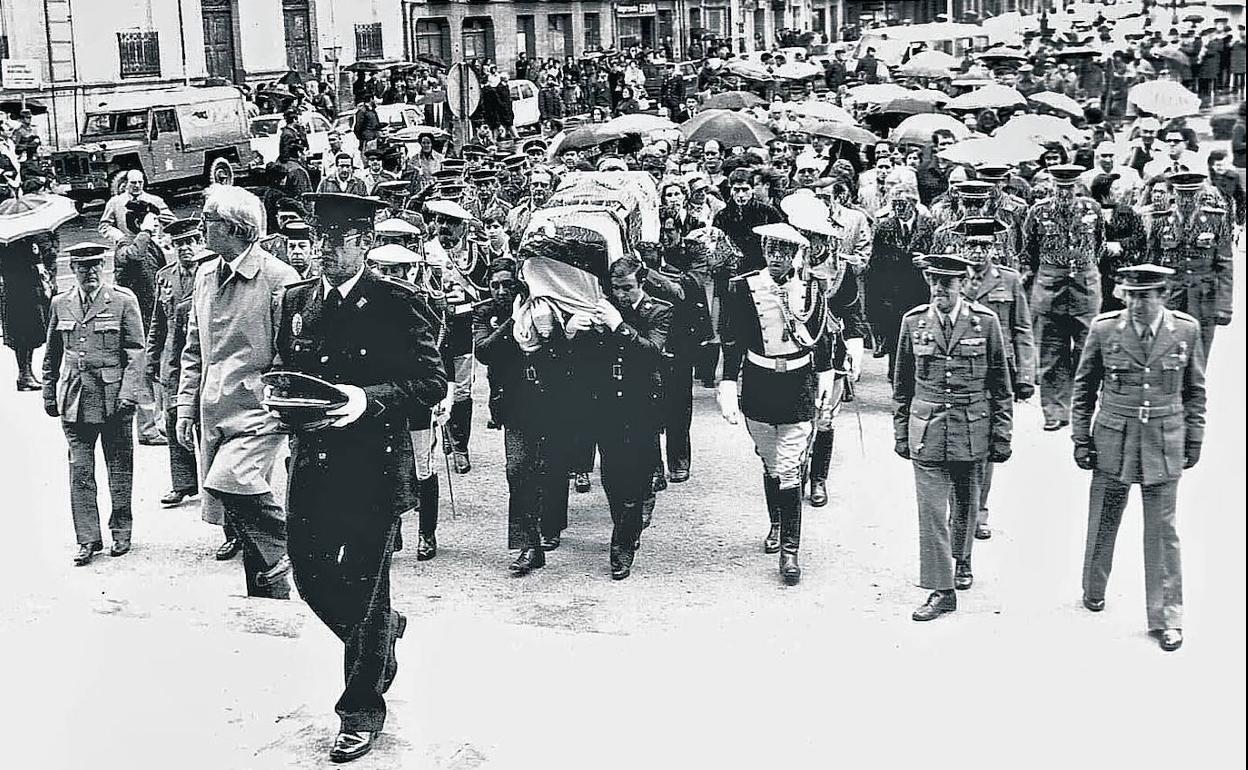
(92, 374)
(1065, 238)
(165, 338)
(773, 339)
(954, 412)
(373, 339)
(1143, 375)
(1000, 289)
(1194, 239)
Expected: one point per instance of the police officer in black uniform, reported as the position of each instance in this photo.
(372, 338)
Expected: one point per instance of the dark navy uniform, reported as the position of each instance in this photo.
(165, 339)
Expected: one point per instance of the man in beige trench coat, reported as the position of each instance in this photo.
(229, 344)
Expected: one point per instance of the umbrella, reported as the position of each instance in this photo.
(1040, 128)
(13, 107)
(291, 78)
(992, 149)
(362, 66)
(732, 100)
(877, 93)
(637, 123)
(1001, 53)
(414, 133)
(908, 105)
(1075, 52)
(432, 61)
(1165, 98)
(987, 98)
(1176, 57)
(1060, 102)
(845, 133)
(822, 111)
(798, 70)
(918, 129)
(582, 138)
(732, 129)
(747, 69)
(929, 64)
(28, 215)
(973, 81)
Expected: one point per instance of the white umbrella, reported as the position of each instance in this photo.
(638, 123)
(798, 70)
(929, 64)
(1041, 128)
(1060, 102)
(918, 129)
(877, 93)
(822, 111)
(989, 97)
(992, 149)
(27, 215)
(1164, 98)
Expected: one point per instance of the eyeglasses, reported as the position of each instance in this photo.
(502, 284)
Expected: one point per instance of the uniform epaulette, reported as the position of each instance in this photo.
(1213, 210)
(122, 290)
(743, 276)
(1008, 270)
(916, 310)
(405, 286)
(303, 282)
(980, 308)
(1108, 316)
(1180, 315)
(167, 268)
(657, 301)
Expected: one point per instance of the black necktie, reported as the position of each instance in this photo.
(1146, 338)
(224, 273)
(333, 300)
(946, 326)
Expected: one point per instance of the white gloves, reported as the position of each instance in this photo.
(607, 314)
(442, 411)
(853, 358)
(729, 409)
(357, 402)
(826, 381)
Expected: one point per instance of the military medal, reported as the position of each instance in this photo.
(363, 301)
(296, 324)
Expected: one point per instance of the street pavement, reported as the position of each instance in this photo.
(702, 658)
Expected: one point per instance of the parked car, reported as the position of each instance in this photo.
(266, 132)
(524, 105)
(393, 117)
(179, 137)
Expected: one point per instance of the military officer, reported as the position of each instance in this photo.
(1006, 207)
(1065, 237)
(373, 339)
(92, 374)
(954, 412)
(1143, 374)
(1194, 239)
(968, 199)
(773, 336)
(623, 375)
(165, 339)
(485, 192)
(1000, 289)
(513, 179)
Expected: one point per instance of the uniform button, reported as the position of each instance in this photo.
(1147, 370)
(363, 351)
(389, 450)
(1146, 386)
(619, 393)
(320, 455)
(324, 359)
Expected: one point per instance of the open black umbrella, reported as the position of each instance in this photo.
(13, 107)
(362, 66)
(432, 61)
(291, 78)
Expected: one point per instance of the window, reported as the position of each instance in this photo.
(478, 39)
(433, 38)
(116, 123)
(593, 32)
(140, 54)
(4, 51)
(716, 21)
(368, 41)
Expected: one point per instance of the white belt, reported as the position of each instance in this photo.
(778, 364)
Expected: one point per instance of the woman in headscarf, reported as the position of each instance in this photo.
(27, 283)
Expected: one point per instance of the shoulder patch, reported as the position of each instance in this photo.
(1181, 316)
(123, 291)
(916, 310)
(1108, 316)
(744, 276)
(660, 302)
(980, 308)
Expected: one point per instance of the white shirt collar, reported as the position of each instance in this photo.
(952, 315)
(346, 286)
(1153, 325)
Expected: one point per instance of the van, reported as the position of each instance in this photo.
(178, 137)
(525, 115)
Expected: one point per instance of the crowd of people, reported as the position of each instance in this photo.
(343, 310)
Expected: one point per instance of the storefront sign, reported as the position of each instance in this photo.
(21, 73)
(636, 9)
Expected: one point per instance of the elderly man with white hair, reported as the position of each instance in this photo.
(1126, 188)
(229, 344)
(113, 224)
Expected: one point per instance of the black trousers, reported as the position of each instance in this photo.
(116, 436)
(627, 471)
(182, 469)
(341, 564)
(678, 412)
(537, 484)
(257, 521)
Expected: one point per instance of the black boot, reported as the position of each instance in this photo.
(820, 462)
(771, 486)
(427, 544)
(789, 503)
(459, 428)
(25, 371)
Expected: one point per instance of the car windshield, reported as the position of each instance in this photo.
(115, 123)
(263, 127)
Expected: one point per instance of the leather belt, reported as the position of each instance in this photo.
(778, 364)
(961, 399)
(1144, 412)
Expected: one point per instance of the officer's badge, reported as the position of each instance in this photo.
(363, 301)
(296, 324)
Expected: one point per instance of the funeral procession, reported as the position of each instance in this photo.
(368, 355)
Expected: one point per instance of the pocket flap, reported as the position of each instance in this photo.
(1111, 421)
(922, 410)
(66, 325)
(111, 374)
(108, 324)
(976, 412)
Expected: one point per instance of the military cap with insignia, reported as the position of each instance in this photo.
(373, 155)
(498, 157)
(86, 253)
(980, 227)
(1187, 181)
(393, 188)
(300, 400)
(993, 172)
(514, 162)
(297, 230)
(393, 254)
(453, 164)
(973, 189)
(949, 265)
(1143, 277)
(484, 175)
(450, 190)
(448, 175)
(342, 214)
(473, 151)
(179, 229)
(531, 145)
(1066, 174)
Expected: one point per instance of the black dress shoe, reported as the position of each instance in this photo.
(937, 604)
(461, 462)
(962, 577)
(120, 548)
(550, 543)
(789, 569)
(982, 532)
(1170, 639)
(659, 482)
(275, 573)
(818, 493)
(771, 543)
(581, 483)
(229, 549)
(177, 497)
(1093, 605)
(31, 384)
(679, 476)
(621, 563)
(879, 353)
(85, 552)
(392, 663)
(351, 745)
(1052, 423)
(528, 560)
(154, 440)
(426, 547)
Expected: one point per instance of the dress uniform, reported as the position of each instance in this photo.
(1000, 289)
(1065, 236)
(92, 380)
(1007, 208)
(1194, 239)
(954, 412)
(165, 338)
(773, 339)
(349, 482)
(1144, 377)
(623, 372)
